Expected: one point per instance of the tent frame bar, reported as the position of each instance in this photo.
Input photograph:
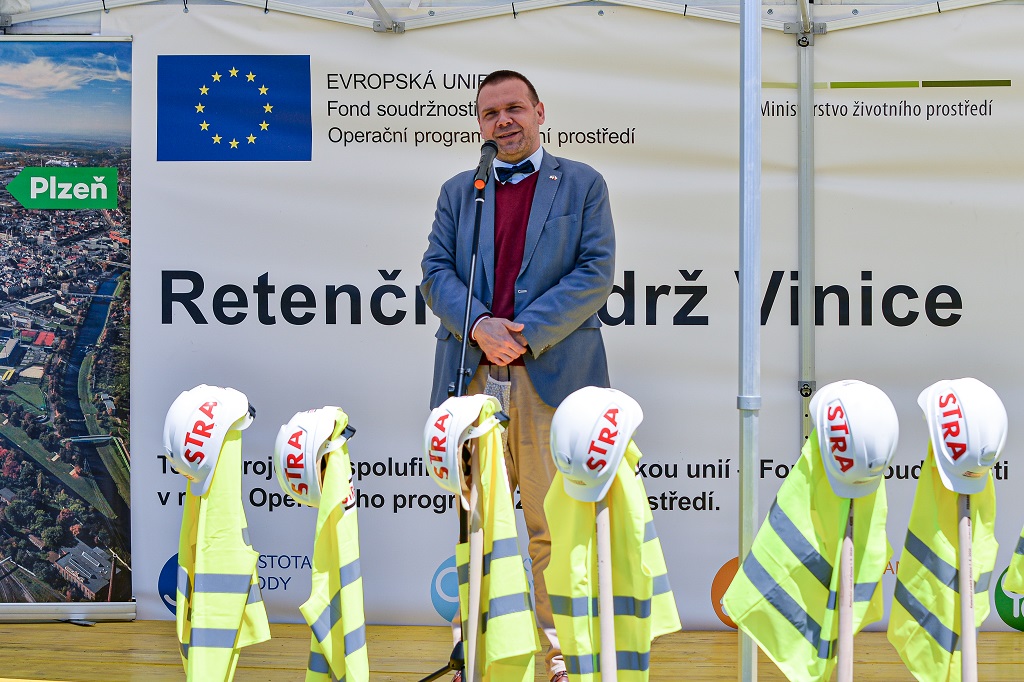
(392, 25)
(385, 23)
(7, 20)
(806, 384)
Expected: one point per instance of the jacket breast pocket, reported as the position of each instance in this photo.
(565, 223)
(561, 239)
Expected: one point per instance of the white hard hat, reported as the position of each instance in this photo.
(196, 425)
(589, 435)
(300, 447)
(967, 428)
(857, 431)
(449, 426)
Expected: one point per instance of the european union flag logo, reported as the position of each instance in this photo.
(233, 108)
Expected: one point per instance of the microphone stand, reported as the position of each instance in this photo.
(456, 660)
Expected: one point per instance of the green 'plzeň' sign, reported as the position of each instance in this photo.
(70, 188)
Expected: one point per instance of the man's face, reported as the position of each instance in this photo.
(507, 116)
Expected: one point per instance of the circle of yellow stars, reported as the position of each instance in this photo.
(250, 77)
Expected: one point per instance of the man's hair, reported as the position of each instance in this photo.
(503, 75)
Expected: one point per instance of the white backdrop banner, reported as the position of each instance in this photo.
(287, 266)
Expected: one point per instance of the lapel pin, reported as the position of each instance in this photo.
(552, 177)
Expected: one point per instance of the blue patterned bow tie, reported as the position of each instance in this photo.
(506, 172)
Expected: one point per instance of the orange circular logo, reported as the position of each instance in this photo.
(718, 587)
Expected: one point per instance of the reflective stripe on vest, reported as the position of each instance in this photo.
(507, 640)
(787, 607)
(1014, 580)
(625, 661)
(943, 636)
(785, 594)
(501, 549)
(813, 561)
(318, 668)
(503, 605)
(334, 610)
(945, 573)
(924, 624)
(219, 607)
(643, 604)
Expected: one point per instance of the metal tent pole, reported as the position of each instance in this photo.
(748, 402)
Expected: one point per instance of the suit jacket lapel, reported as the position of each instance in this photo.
(485, 255)
(548, 178)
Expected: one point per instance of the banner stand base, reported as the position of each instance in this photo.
(85, 611)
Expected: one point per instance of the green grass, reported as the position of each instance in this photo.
(84, 486)
(31, 395)
(110, 457)
(120, 286)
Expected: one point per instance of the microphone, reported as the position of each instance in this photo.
(487, 153)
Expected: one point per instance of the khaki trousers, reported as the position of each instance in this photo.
(531, 470)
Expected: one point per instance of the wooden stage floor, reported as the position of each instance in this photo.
(146, 651)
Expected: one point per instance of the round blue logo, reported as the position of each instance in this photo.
(444, 589)
(167, 583)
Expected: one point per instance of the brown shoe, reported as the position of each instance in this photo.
(560, 677)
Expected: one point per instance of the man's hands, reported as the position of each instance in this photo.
(500, 339)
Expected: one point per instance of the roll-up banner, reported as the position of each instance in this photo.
(65, 235)
(280, 256)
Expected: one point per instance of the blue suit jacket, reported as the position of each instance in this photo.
(566, 276)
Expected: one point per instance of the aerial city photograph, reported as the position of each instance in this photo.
(65, 252)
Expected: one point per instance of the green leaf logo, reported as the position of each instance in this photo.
(1009, 605)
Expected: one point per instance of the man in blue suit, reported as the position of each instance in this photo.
(545, 267)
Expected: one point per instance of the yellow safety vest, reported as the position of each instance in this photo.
(334, 610)
(1014, 580)
(645, 607)
(219, 606)
(924, 625)
(508, 637)
(785, 594)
